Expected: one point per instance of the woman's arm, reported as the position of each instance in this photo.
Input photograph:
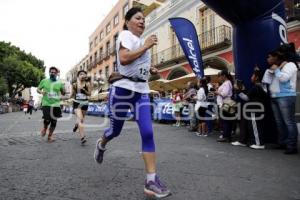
(286, 72)
(89, 89)
(126, 56)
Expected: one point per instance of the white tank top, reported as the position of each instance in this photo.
(140, 68)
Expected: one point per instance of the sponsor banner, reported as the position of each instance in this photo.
(163, 110)
(188, 40)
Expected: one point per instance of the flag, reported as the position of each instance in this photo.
(188, 40)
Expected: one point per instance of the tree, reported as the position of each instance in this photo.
(19, 69)
(3, 86)
(20, 75)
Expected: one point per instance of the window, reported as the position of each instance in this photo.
(101, 52)
(115, 41)
(106, 71)
(108, 48)
(101, 35)
(207, 21)
(115, 67)
(108, 28)
(116, 20)
(100, 72)
(95, 55)
(91, 59)
(96, 41)
(174, 41)
(125, 9)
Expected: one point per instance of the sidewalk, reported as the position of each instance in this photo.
(193, 167)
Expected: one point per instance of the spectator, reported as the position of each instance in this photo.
(210, 105)
(201, 107)
(251, 126)
(283, 93)
(224, 93)
(189, 98)
(177, 104)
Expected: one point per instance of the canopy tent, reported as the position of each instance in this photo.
(181, 82)
(154, 92)
(161, 85)
(103, 95)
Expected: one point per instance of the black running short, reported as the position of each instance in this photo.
(77, 105)
(51, 113)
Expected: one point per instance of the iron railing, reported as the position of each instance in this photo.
(292, 10)
(213, 39)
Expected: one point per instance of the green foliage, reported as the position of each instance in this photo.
(3, 86)
(19, 69)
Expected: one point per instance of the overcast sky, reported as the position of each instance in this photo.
(55, 31)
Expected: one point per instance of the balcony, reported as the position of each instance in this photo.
(100, 59)
(292, 11)
(210, 41)
(113, 50)
(106, 54)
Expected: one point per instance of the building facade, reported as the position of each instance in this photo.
(214, 36)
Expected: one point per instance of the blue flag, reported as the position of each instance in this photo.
(188, 40)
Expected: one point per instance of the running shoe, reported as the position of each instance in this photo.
(98, 153)
(156, 188)
(83, 140)
(237, 143)
(254, 146)
(51, 139)
(75, 128)
(43, 132)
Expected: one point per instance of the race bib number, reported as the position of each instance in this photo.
(81, 96)
(53, 95)
(144, 66)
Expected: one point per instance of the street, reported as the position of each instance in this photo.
(193, 167)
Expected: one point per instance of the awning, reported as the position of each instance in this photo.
(181, 82)
(161, 85)
(103, 95)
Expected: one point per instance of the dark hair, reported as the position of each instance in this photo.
(289, 53)
(51, 68)
(257, 72)
(208, 79)
(80, 72)
(204, 85)
(278, 54)
(225, 72)
(130, 14)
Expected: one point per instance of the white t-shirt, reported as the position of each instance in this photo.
(139, 68)
(226, 92)
(201, 99)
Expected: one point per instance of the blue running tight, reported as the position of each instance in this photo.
(120, 101)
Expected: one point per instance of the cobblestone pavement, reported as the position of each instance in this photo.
(193, 167)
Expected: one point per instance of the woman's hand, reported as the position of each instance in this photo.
(150, 41)
(153, 70)
(273, 67)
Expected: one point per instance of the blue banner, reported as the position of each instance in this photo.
(188, 40)
(98, 109)
(163, 110)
